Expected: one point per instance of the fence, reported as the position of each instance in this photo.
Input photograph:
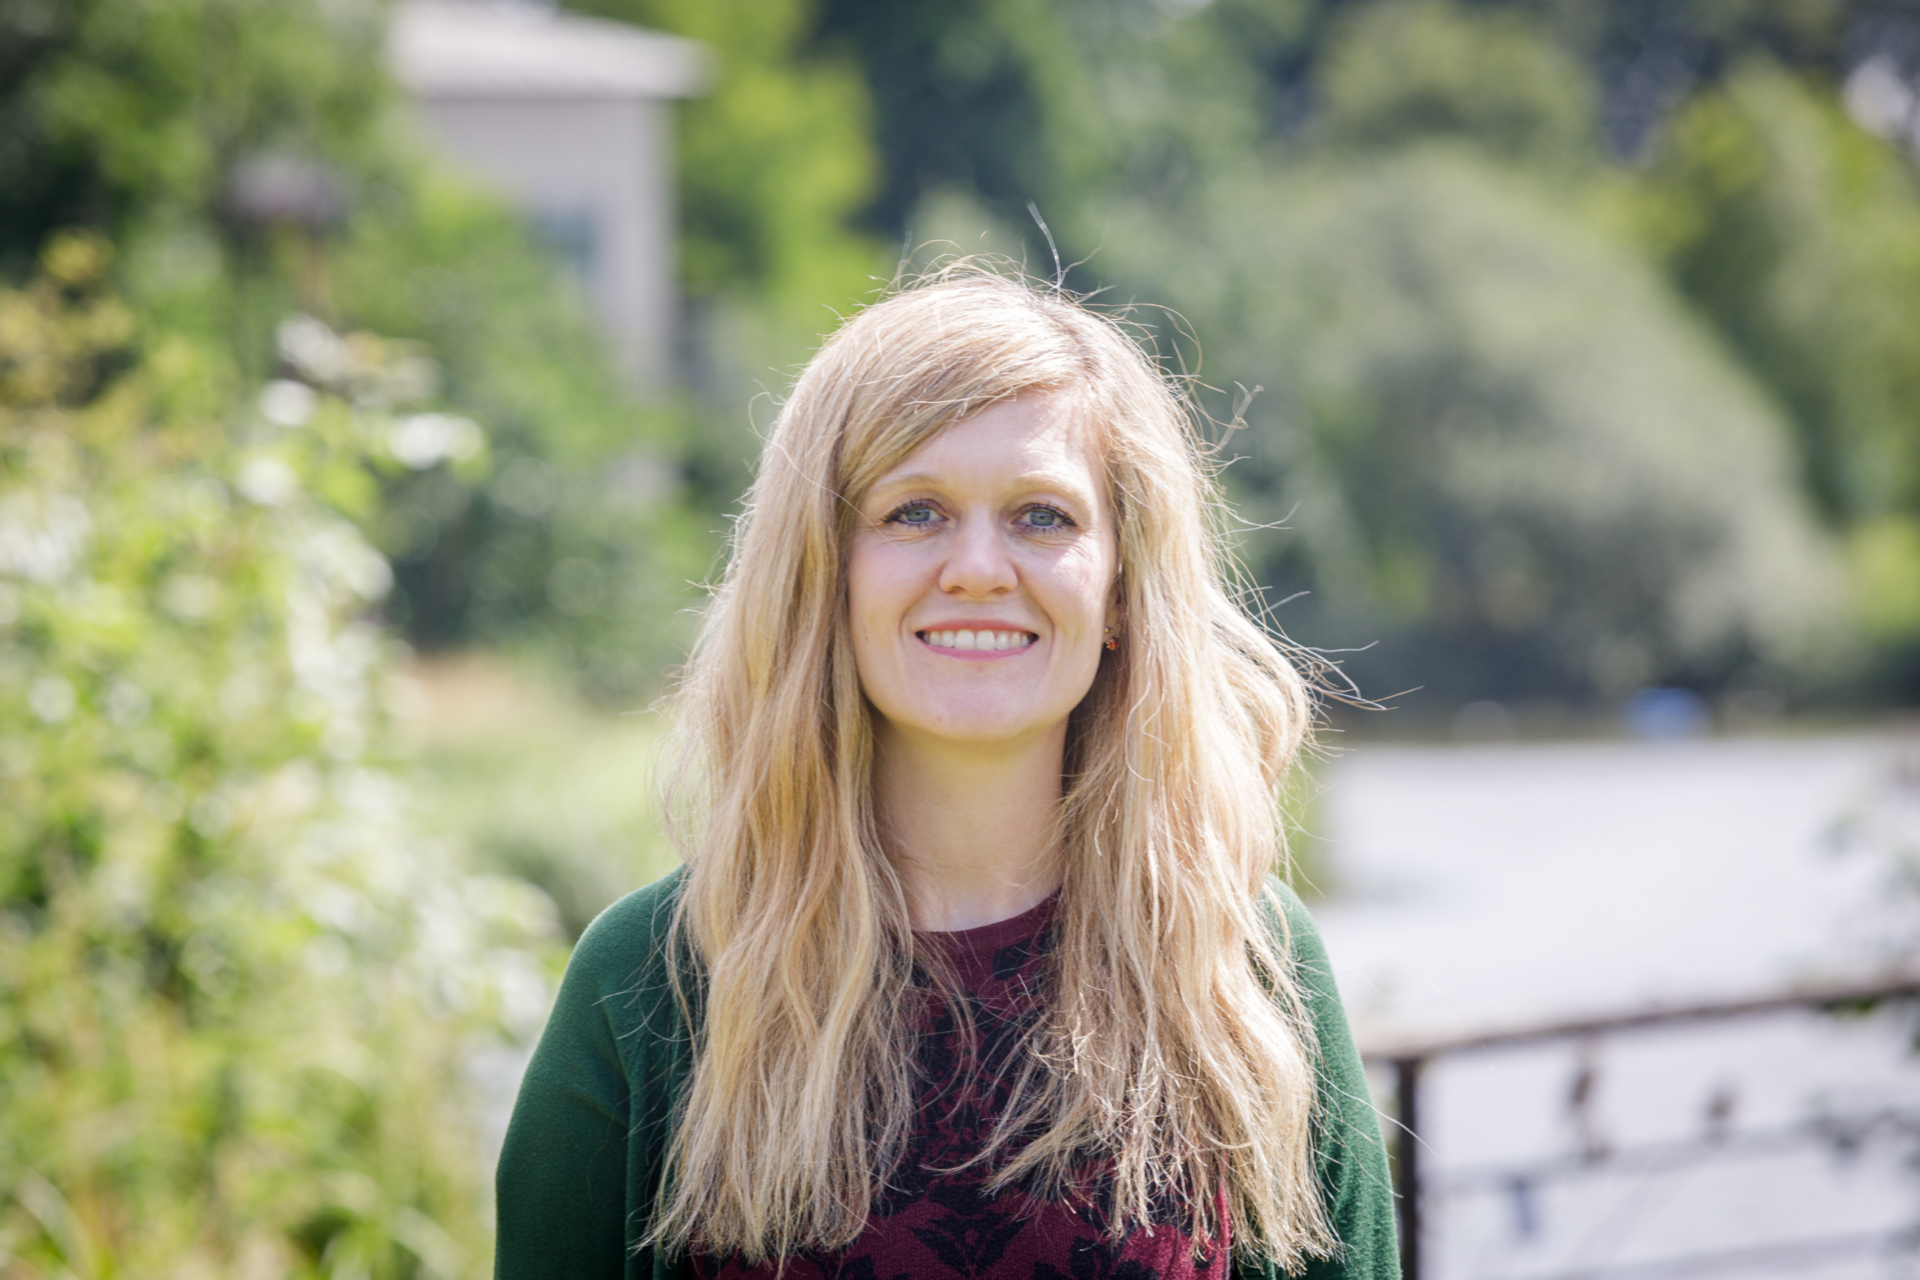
(1407, 1062)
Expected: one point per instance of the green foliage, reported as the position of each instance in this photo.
(1884, 558)
(1090, 110)
(237, 981)
(1405, 73)
(579, 542)
(1498, 436)
(1549, 424)
(119, 113)
(774, 157)
(1698, 40)
(538, 785)
(434, 260)
(1799, 235)
(957, 100)
(148, 121)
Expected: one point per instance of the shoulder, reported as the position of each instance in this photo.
(1297, 940)
(621, 966)
(1349, 1155)
(594, 1106)
(631, 935)
(1293, 933)
(1281, 901)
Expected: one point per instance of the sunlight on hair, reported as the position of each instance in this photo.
(1175, 1051)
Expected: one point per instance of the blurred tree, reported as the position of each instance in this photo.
(576, 545)
(959, 100)
(244, 160)
(1651, 56)
(1399, 74)
(237, 987)
(1499, 441)
(1184, 147)
(1798, 234)
(1012, 103)
(1133, 124)
(120, 116)
(774, 159)
(1094, 112)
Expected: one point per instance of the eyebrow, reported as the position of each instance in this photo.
(1029, 480)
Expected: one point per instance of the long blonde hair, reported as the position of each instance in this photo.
(1175, 1052)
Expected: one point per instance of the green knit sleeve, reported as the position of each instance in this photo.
(564, 1186)
(1349, 1155)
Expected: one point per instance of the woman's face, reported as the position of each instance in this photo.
(982, 576)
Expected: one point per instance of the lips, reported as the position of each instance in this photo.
(977, 639)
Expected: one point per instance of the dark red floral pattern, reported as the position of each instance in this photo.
(933, 1225)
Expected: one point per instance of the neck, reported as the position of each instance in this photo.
(970, 829)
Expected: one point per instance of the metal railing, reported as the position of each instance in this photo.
(1407, 1061)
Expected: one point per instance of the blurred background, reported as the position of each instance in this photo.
(378, 382)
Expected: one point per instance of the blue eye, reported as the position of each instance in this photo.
(912, 513)
(1046, 518)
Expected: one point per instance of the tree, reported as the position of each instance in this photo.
(247, 163)
(1497, 442)
(1798, 234)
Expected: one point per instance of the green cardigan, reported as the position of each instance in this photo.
(583, 1153)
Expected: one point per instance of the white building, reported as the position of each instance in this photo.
(571, 119)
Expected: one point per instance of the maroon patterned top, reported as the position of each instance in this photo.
(932, 1226)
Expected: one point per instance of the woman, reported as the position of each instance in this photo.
(978, 965)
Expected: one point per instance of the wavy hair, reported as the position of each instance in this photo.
(1174, 1055)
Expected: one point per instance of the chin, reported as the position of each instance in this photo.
(981, 726)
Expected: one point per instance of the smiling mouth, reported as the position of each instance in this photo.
(995, 640)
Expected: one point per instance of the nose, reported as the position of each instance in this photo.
(978, 565)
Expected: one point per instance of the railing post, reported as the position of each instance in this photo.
(1409, 1059)
(1406, 1161)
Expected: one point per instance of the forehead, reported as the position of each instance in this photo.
(1037, 436)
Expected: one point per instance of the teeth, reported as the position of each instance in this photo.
(977, 639)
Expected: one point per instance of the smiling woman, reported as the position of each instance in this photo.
(979, 964)
(982, 579)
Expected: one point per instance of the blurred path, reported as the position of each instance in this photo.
(1478, 887)
(1496, 884)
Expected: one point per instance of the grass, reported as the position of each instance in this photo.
(536, 784)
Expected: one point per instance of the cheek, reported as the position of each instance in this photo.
(878, 590)
(860, 590)
(1084, 583)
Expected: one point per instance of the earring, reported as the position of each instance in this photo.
(1112, 641)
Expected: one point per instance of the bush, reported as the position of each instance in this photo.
(236, 984)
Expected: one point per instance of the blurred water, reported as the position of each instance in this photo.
(1496, 886)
